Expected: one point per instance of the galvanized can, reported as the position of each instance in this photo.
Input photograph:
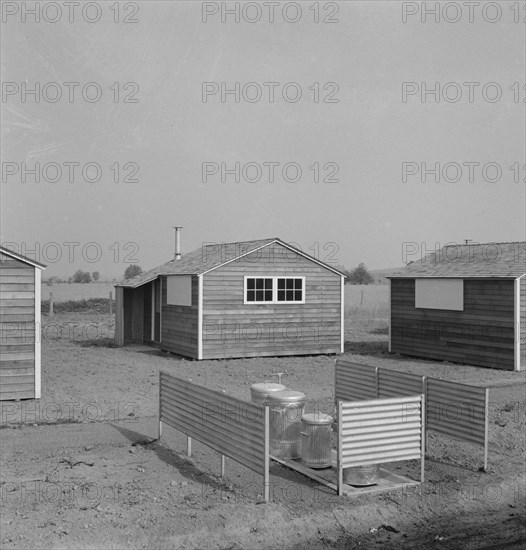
(316, 440)
(259, 392)
(286, 410)
(361, 476)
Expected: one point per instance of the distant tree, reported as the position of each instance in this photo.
(360, 276)
(132, 271)
(96, 276)
(345, 271)
(81, 276)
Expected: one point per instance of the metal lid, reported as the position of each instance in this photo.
(267, 387)
(317, 418)
(286, 396)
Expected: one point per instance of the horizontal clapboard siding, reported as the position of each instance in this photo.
(179, 324)
(17, 329)
(235, 428)
(482, 334)
(234, 329)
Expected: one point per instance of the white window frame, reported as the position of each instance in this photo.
(274, 289)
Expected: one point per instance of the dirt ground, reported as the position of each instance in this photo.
(81, 469)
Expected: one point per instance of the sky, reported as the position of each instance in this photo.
(146, 132)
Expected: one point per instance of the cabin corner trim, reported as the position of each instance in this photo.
(199, 317)
(517, 324)
(38, 333)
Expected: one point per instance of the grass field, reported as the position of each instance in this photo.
(64, 292)
(372, 300)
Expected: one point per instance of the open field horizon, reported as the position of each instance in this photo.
(370, 299)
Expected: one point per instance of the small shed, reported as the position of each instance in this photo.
(242, 299)
(19, 326)
(464, 304)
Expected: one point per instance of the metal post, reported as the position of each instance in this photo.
(266, 458)
(486, 411)
(188, 446)
(424, 384)
(223, 465)
(340, 448)
(424, 434)
(51, 312)
(111, 303)
(160, 409)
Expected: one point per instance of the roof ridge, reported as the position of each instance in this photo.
(481, 244)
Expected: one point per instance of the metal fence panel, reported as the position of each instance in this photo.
(380, 430)
(397, 384)
(354, 381)
(233, 427)
(457, 410)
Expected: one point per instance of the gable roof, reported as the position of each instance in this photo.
(21, 258)
(209, 257)
(505, 260)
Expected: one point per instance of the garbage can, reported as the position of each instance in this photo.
(286, 410)
(316, 440)
(259, 392)
(361, 476)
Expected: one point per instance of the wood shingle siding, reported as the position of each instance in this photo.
(234, 329)
(219, 324)
(522, 317)
(17, 329)
(179, 324)
(482, 334)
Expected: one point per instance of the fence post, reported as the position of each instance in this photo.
(426, 410)
(51, 313)
(266, 458)
(486, 412)
(424, 436)
(160, 433)
(111, 298)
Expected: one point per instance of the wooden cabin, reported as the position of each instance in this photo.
(463, 303)
(244, 299)
(19, 326)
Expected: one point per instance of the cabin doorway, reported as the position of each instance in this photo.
(156, 311)
(152, 312)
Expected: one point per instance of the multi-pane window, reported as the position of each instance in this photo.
(274, 290)
(290, 290)
(259, 289)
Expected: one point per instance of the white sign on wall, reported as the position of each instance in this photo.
(179, 290)
(440, 294)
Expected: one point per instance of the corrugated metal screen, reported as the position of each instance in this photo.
(393, 384)
(380, 430)
(453, 408)
(457, 410)
(233, 427)
(354, 381)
